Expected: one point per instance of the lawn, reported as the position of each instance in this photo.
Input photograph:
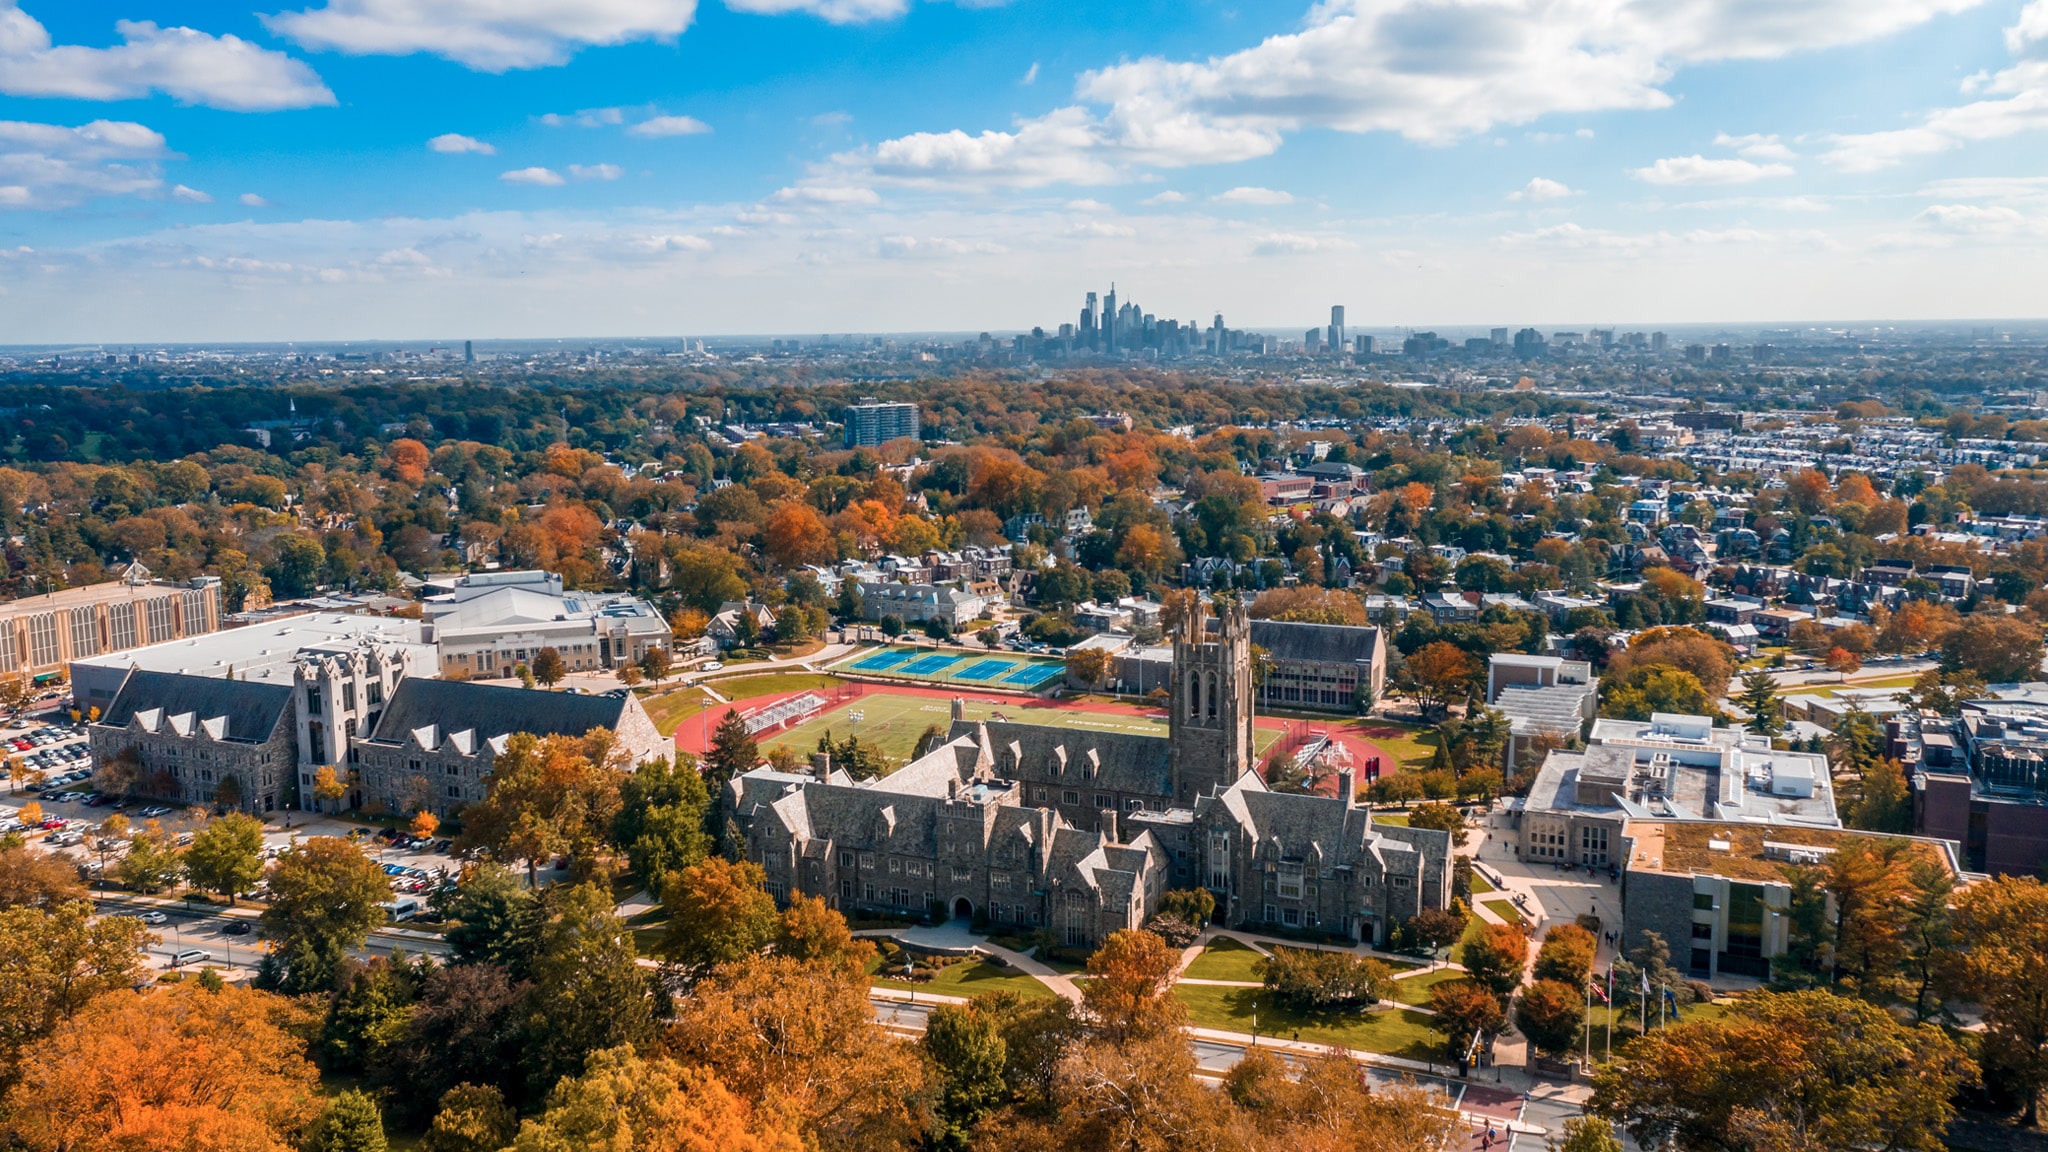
(671, 708)
(773, 684)
(892, 723)
(1479, 883)
(1391, 819)
(1415, 989)
(972, 979)
(1831, 690)
(1225, 959)
(1505, 911)
(1412, 746)
(1394, 1032)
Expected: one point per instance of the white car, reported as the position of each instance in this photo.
(152, 918)
(191, 956)
(713, 666)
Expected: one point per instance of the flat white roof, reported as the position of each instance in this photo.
(258, 648)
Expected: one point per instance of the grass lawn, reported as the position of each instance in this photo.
(1409, 744)
(1225, 959)
(773, 684)
(1835, 689)
(1393, 820)
(1480, 883)
(972, 979)
(671, 708)
(1505, 911)
(1415, 989)
(1474, 927)
(892, 723)
(1396, 1032)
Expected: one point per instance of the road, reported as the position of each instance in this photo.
(204, 928)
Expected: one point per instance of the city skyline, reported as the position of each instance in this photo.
(357, 169)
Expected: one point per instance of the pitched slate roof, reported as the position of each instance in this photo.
(1041, 754)
(167, 699)
(491, 710)
(1315, 643)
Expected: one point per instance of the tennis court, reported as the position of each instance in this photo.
(1015, 673)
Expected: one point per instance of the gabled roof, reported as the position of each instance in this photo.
(1316, 643)
(1110, 761)
(486, 711)
(184, 703)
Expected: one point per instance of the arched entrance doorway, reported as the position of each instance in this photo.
(963, 909)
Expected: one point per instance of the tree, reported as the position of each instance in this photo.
(1567, 955)
(1640, 692)
(629, 675)
(465, 1027)
(1843, 662)
(1494, 961)
(1128, 994)
(1587, 1134)
(351, 1123)
(328, 787)
(796, 535)
(655, 664)
(792, 624)
(1317, 980)
(892, 626)
(423, 824)
(1711, 661)
(1437, 672)
(589, 991)
(718, 912)
(802, 1038)
(621, 1101)
(525, 673)
(2001, 649)
(1760, 699)
(811, 932)
(1088, 667)
(1944, 692)
(850, 605)
(325, 896)
(1551, 1013)
(1793, 1071)
(2002, 965)
(369, 1010)
(226, 856)
(1441, 817)
(1465, 1009)
(663, 807)
(488, 914)
(549, 667)
(1882, 802)
(55, 961)
(967, 1051)
(473, 1118)
(549, 795)
(182, 1067)
(1434, 928)
(733, 752)
(154, 861)
(36, 880)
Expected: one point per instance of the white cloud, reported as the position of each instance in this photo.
(52, 166)
(827, 194)
(456, 143)
(674, 243)
(190, 195)
(2022, 108)
(588, 118)
(1031, 74)
(190, 66)
(670, 126)
(1065, 146)
(1295, 244)
(1539, 188)
(1983, 220)
(1702, 170)
(1250, 195)
(832, 119)
(1755, 146)
(596, 171)
(1167, 197)
(1989, 188)
(831, 11)
(543, 176)
(252, 200)
(487, 35)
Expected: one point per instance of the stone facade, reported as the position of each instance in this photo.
(1082, 832)
(185, 735)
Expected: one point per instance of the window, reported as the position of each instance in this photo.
(1290, 881)
(348, 695)
(122, 617)
(1108, 802)
(846, 891)
(895, 865)
(42, 639)
(85, 632)
(1133, 804)
(1703, 931)
(869, 889)
(455, 792)
(999, 879)
(778, 890)
(377, 690)
(867, 863)
(1070, 796)
(1272, 913)
(846, 861)
(963, 876)
(162, 623)
(1290, 916)
(413, 766)
(313, 699)
(1703, 901)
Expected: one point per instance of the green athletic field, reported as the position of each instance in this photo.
(893, 723)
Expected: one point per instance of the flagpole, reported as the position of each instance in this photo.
(1589, 1020)
(1610, 1012)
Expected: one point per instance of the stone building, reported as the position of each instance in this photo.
(179, 737)
(434, 746)
(1081, 832)
(1319, 667)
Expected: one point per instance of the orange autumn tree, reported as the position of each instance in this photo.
(655, 1105)
(181, 1069)
(796, 535)
(408, 460)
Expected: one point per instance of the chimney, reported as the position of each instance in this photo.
(959, 709)
(821, 764)
(953, 788)
(1106, 822)
(1347, 787)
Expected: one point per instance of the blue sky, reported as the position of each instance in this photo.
(424, 169)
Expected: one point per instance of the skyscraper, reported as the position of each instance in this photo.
(1336, 338)
(871, 423)
(1109, 319)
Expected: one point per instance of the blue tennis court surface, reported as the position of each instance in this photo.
(984, 670)
(926, 665)
(1033, 675)
(886, 658)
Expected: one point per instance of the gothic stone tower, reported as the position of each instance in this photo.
(1210, 715)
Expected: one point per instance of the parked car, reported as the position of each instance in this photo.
(191, 956)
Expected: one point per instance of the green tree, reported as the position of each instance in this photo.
(1790, 1070)
(1650, 688)
(325, 896)
(1587, 1134)
(369, 1011)
(589, 991)
(718, 913)
(966, 1047)
(490, 914)
(154, 861)
(226, 856)
(549, 667)
(53, 962)
(296, 570)
(473, 1118)
(663, 809)
(1439, 816)
(1760, 699)
(655, 663)
(351, 1123)
(849, 606)
(732, 753)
